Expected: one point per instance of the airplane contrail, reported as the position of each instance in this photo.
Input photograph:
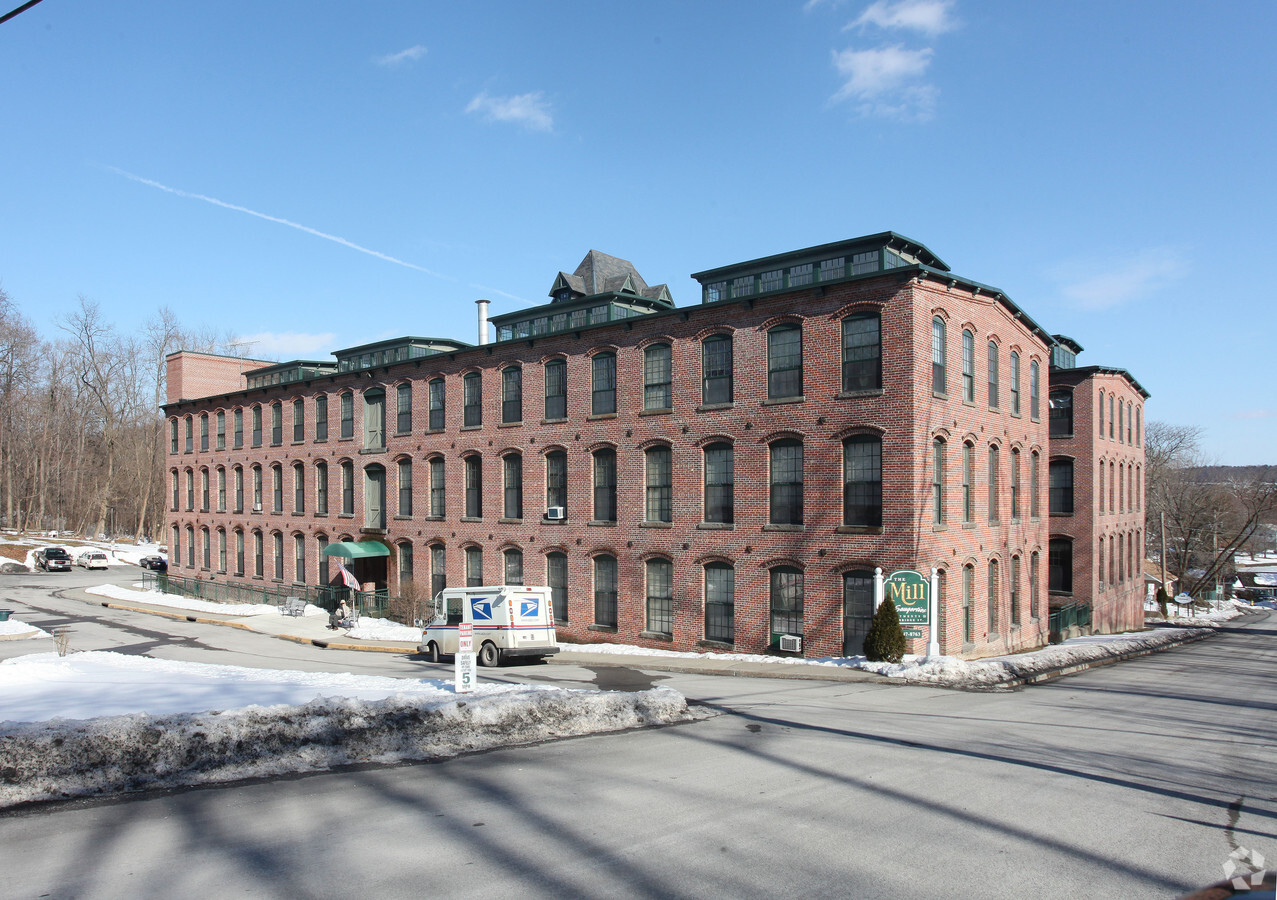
(252, 212)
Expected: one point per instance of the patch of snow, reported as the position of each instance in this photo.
(15, 629)
(371, 629)
(194, 723)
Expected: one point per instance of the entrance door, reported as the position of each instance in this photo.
(375, 497)
(858, 610)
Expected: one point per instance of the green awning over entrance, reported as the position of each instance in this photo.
(356, 549)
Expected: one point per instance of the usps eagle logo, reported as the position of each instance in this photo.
(528, 608)
(482, 610)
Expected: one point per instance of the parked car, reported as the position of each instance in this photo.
(92, 559)
(154, 563)
(53, 559)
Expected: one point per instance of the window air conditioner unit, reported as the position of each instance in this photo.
(554, 512)
(257, 507)
(791, 643)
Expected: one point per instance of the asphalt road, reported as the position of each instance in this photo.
(1135, 779)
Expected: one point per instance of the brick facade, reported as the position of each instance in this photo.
(904, 417)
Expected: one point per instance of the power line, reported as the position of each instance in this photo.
(21, 9)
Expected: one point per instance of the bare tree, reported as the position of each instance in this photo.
(1209, 513)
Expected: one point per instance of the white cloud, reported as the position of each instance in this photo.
(403, 56)
(287, 345)
(931, 17)
(887, 81)
(1254, 414)
(529, 110)
(1113, 283)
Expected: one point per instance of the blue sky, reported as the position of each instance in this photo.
(320, 175)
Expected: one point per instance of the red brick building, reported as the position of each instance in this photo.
(719, 475)
(1097, 491)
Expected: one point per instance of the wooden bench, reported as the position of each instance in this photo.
(293, 606)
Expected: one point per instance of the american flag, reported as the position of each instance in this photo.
(347, 577)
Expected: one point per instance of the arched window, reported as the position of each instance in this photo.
(513, 566)
(660, 596)
(658, 378)
(512, 486)
(321, 488)
(321, 417)
(1013, 589)
(203, 432)
(1034, 486)
(1034, 390)
(276, 424)
(556, 390)
(786, 602)
(474, 486)
(556, 480)
(968, 474)
(995, 476)
(434, 391)
(299, 488)
(968, 594)
(1060, 565)
(786, 494)
(238, 432)
(784, 362)
(862, 481)
(277, 489)
(556, 576)
(257, 488)
(1015, 383)
(299, 558)
(862, 352)
(968, 366)
(659, 485)
(720, 602)
(937, 481)
(603, 384)
(993, 598)
(716, 370)
(299, 420)
(438, 569)
(403, 408)
(993, 375)
(438, 489)
(404, 467)
(605, 485)
(1015, 484)
(1061, 487)
(1061, 403)
(605, 591)
(720, 483)
(858, 610)
(474, 567)
(938, 377)
(347, 415)
(1034, 575)
(238, 477)
(347, 488)
(511, 395)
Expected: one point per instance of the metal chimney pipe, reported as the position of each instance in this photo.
(483, 321)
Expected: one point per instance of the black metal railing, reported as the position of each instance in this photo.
(369, 603)
(1074, 615)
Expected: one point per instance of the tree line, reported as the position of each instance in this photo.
(80, 420)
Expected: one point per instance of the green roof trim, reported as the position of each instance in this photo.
(357, 549)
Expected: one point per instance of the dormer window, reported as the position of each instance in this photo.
(563, 296)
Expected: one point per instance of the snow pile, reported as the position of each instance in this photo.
(15, 630)
(421, 720)
(1004, 670)
(370, 629)
(1225, 613)
(159, 598)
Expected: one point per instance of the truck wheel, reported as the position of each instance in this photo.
(432, 652)
(489, 655)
